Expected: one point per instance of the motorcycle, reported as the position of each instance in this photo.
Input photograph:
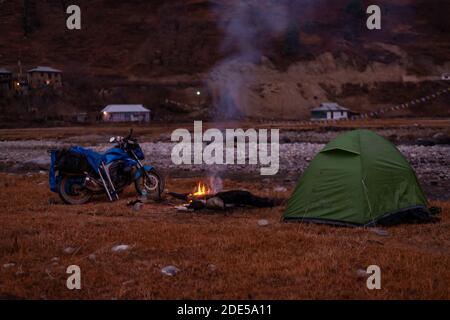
(76, 174)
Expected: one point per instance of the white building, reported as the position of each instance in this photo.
(44, 76)
(329, 111)
(126, 113)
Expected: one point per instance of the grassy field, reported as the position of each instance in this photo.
(220, 255)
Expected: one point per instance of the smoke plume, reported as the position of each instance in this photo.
(248, 26)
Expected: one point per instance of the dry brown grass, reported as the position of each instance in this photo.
(279, 261)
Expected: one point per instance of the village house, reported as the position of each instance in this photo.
(330, 111)
(6, 81)
(126, 113)
(44, 76)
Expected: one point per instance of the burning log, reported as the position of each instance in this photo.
(202, 198)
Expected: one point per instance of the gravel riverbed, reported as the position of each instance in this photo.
(432, 163)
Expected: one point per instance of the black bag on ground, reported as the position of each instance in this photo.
(71, 162)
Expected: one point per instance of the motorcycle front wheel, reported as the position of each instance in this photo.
(72, 190)
(151, 184)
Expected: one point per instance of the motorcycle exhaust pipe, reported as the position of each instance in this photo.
(92, 184)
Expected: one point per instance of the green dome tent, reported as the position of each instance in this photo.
(359, 178)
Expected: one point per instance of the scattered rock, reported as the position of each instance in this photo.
(92, 257)
(212, 268)
(182, 208)
(280, 189)
(263, 222)
(9, 265)
(128, 283)
(380, 232)
(361, 273)
(375, 242)
(138, 206)
(69, 250)
(170, 270)
(120, 248)
(55, 259)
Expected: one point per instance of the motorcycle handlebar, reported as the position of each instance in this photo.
(128, 139)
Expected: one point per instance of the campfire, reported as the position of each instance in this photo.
(203, 197)
(201, 191)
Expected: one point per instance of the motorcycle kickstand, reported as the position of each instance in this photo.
(110, 182)
(104, 185)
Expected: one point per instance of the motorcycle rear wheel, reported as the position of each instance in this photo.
(73, 193)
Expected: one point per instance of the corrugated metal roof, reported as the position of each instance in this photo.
(330, 106)
(44, 69)
(3, 70)
(112, 108)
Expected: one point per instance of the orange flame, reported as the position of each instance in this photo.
(201, 190)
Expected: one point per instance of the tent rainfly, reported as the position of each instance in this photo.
(359, 178)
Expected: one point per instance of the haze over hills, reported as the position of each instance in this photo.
(272, 59)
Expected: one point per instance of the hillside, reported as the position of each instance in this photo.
(272, 59)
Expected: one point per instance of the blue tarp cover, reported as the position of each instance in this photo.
(94, 158)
